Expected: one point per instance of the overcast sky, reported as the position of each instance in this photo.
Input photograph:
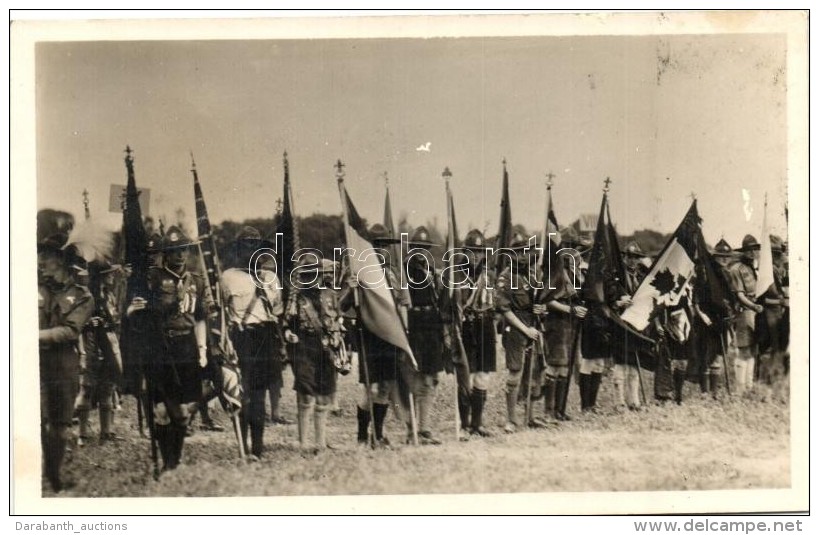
(662, 116)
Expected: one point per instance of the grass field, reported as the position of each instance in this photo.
(702, 444)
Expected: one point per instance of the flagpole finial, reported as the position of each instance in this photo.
(85, 203)
(607, 185)
(447, 174)
(339, 171)
(550, 180)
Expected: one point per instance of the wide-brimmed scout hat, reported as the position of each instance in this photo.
(749, 243)
(421, 238)
(379, 235)
(175, 239)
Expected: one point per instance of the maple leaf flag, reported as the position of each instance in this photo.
(669, 279)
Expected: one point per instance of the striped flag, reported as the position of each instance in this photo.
(228, 381)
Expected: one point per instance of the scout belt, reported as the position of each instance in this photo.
(174, 333)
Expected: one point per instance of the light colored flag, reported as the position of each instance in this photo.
(376, 304)
(765, 276)
(669, 278)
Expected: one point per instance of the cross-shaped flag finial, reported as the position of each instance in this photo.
(339, 171)
(550, 179)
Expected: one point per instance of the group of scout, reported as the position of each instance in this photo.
(312, 329)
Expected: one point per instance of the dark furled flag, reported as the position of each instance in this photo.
(556, 281)
(286, 226)
(505, 228)
(604, 333)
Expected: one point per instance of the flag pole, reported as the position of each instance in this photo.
(357, 305)
(456, 330)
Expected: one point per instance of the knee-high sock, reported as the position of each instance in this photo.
(477, 402)
(320, 424)
(549, 399)
(679, 382)
(380, 413)
(363, 424)
(464, 406)
(596, 378)
(511, 403)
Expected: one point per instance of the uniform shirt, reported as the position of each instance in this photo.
(479, 297)
(518, 300)
(428, 297)
(317, 311)
(248, 304)
(743, 279)
(179, 300)
(63, 313)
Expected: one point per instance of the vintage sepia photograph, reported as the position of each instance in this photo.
(393, 258)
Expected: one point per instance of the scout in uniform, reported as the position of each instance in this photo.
(515, 302)
(178, 308)
(477, 303)
(316, 321)
(253, 303)
(743, 277)
(100, 360)
(626, 374)
(775, 302)
(64, 309)
(724, 254)
(562, 332)
(382, 358)
(427, 335)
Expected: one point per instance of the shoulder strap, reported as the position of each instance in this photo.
(311, 313)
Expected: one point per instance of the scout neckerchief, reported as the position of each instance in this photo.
(258, 294)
